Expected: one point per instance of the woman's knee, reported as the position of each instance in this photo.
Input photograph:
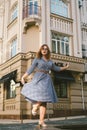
(44, 104)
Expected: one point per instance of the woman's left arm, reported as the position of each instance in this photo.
(57, 68)
(64, 67)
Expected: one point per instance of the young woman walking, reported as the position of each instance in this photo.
(40, 90)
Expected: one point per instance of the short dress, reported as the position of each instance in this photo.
(41, 87)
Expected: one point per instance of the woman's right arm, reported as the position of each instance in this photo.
(29, 71)
(23, 78)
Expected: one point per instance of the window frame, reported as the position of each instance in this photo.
(14, 12)
(61, 5)
(59, 39)
(59, 89)
(9, 93)
(14, 47)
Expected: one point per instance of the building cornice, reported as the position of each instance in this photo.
(31, 55)
(68, 58)
(74, 61)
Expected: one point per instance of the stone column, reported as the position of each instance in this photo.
(48, 36)
(76, 29)
(18, 101)
(43, 23)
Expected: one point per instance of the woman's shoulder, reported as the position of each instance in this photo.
(36, 59)
(50, 60)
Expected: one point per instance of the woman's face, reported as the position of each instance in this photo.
(44, 50)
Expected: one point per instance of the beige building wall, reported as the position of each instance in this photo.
(30, 40)
(30, 33)
(44, 24)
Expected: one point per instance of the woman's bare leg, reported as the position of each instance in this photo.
(36, 104)
(42, 113)
(35, 107)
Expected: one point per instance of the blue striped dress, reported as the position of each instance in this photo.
(41, 87)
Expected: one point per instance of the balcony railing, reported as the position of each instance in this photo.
(31, 10)
(62, 25)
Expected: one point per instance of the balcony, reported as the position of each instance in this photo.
(31, 16)
(61, 24)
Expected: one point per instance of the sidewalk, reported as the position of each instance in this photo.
(75, 122)
(60, 119)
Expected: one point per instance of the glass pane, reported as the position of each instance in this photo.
(14, 13)
(30, 8)
(58, 90)
(58, 47)
(67, 49)
(35, 7)
(62, 47)
(63, 90)
(13, 47)
(59, 7)
(53, 46)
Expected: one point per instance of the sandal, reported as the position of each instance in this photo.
(34, 110)
(42, 124)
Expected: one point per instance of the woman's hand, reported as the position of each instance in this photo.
(22, 81)
(65, 67)
(23, 78)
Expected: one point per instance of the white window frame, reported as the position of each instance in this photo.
(14, 47)
(14, 12)
(59, 8)
(60, 41)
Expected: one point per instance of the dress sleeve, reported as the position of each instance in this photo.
(32, 67)
(55, 67)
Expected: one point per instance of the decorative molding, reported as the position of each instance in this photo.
(67, 58)
(31, 55)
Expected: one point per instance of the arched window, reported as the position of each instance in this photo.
(59, 7)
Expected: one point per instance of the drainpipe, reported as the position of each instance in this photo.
(82, 89)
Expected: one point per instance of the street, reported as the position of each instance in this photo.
(66, 124)
(35, 127)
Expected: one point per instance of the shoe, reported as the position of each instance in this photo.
(34, 113)
(42, 124)
(34, 110)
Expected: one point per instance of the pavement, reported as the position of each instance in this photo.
(64, 123)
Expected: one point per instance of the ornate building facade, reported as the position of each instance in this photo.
(24, 26)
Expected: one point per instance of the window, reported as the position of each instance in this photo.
(59, 7)
(84, 50)
(80, 3)
(11, 89)
(60, 44)
(14, 47)
(14, 12)
(61, 89)
(33, 7)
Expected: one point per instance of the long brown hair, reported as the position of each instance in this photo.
(39, 54)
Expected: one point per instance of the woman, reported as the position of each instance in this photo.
(41, 90)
